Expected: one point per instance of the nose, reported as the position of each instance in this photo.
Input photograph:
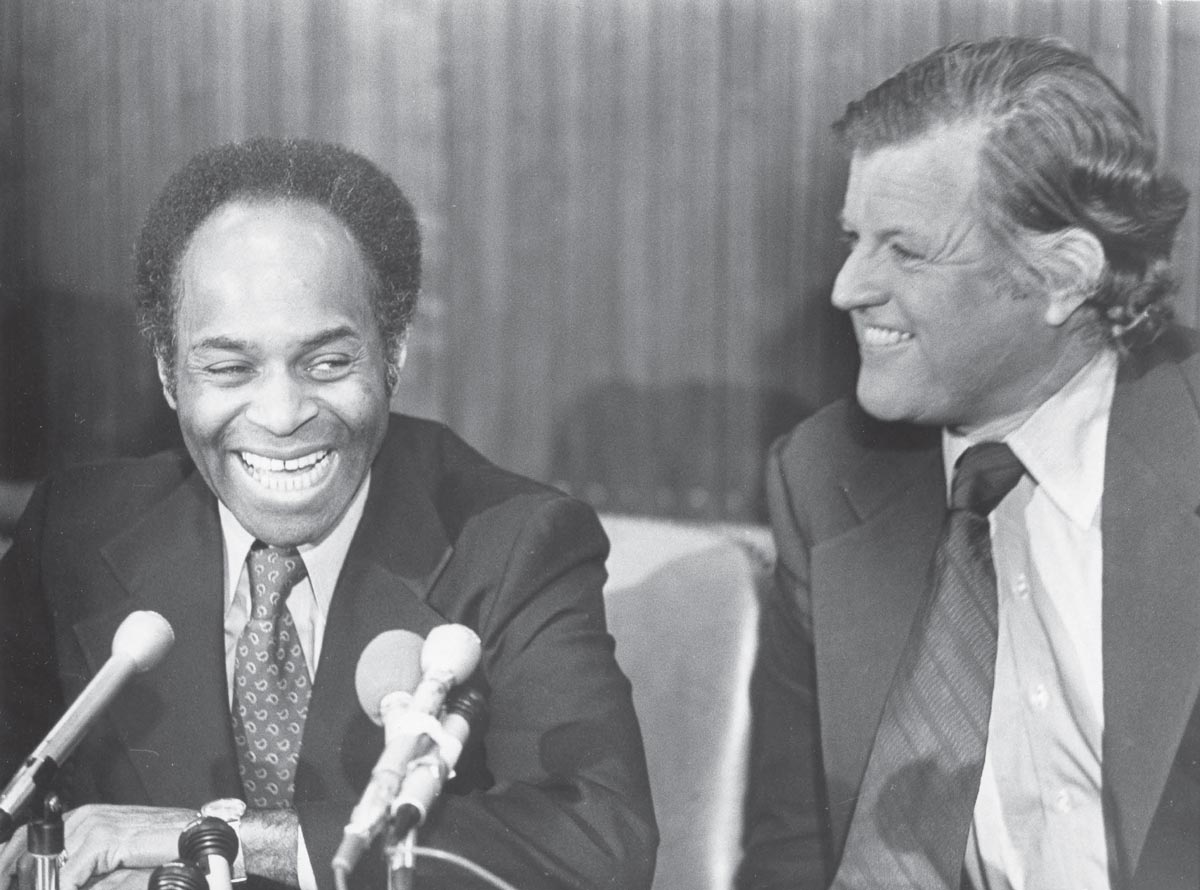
(281, 403)
(858, 285)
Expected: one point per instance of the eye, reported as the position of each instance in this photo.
(905, 254)
(330, 367)
(229, 372)
(848, 239)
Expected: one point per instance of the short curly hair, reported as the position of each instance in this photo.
(1063, 148)
(359, 194)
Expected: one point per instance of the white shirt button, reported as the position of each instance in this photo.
(1039, 698)
(1021, 587)
(1062, 800)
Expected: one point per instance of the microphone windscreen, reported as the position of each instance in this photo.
(390, 663)
(451, 649)
(143, 638)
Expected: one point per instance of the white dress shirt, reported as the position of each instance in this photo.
(1039, 821)
(308, 603)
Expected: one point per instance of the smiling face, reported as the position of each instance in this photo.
(281, 372)
(944, 337)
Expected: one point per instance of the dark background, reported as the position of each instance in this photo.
(629, 207)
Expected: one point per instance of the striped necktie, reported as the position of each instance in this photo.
(914, 809)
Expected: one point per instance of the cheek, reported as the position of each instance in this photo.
(204, 412)
(350, 404)
(360, 410)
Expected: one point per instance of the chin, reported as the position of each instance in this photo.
(882, 409)
(893, 402)
(282, 529)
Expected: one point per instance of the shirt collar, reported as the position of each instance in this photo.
(1062, 444)
(323, 560)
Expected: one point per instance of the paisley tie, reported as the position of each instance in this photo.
(271, 682)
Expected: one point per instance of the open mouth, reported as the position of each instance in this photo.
(875, 337)
(293, 474)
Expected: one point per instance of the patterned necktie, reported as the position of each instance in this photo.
(917, 797)
(271, 685)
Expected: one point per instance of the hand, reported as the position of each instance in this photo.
(11, 854)
(123, 879)
(109, 847)
(101, 839)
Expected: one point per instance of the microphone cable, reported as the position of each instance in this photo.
(340, 876)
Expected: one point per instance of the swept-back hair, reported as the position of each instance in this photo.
(1063, 147)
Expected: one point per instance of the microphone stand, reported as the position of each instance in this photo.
(423, 782)
(44, 840)
(398, 852)
(429, 767)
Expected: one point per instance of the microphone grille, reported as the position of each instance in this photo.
(144, 638)
(390, 663)
(452, 650)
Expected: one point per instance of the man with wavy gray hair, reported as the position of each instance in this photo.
(980, 663)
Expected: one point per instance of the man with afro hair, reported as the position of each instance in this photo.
(276, 282)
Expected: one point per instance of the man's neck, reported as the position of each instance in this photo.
(1080, 351)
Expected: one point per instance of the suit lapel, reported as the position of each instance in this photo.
(397, 553)
(174, 719)
(867, 585)
(1151, 624)
(171, 561)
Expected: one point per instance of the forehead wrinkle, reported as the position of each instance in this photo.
(221, 342)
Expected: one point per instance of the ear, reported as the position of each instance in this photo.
(398, 357)
(164, 377)
(1072, 265)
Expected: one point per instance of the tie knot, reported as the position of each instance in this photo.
(274, 571)
(983, 476)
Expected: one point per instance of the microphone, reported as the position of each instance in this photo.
(450, 655)
(388, 671)
(177, 875)
(212, 844)
(447, 657)
(139, 644)
(429, 773)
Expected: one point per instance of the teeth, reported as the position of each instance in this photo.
(873, 335)
(301, 472)
(274, 464)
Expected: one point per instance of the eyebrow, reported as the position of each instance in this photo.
(897, 229)
(321, 338)
(220, 342)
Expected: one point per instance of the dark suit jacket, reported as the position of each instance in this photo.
(856, 507)
(553, 793)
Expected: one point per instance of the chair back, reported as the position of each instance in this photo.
(681, 601)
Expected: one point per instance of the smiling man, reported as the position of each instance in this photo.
(978, 666)
(277, 280)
